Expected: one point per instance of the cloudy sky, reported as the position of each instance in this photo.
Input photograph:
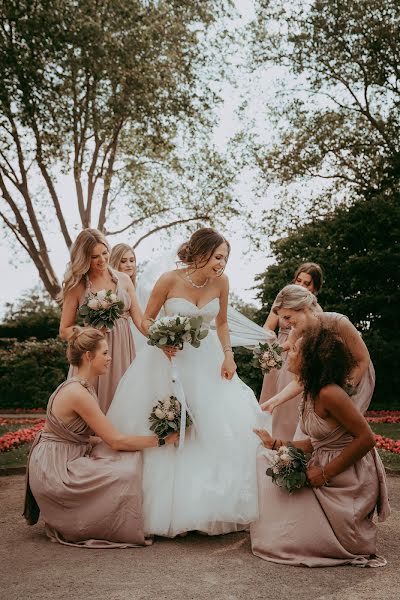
(19, 274)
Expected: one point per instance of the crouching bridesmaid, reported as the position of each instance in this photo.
(331, 522)
(89, 496)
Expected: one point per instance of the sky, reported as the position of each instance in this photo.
(20, 275)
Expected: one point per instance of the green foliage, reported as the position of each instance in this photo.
(30, 371)
(336, 120)
(359, 250)
(34, 315)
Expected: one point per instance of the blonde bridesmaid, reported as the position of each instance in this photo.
(331, 522)
(90, 497)
(89, 271)
(123, 259)
(285, 417)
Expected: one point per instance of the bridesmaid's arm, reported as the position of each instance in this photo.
(274, 443)
(272, 322)
(337, 405)
(290, 391)
(83, 403)
(228, 367)
(68, 314)
(135, 311)
(357, 347)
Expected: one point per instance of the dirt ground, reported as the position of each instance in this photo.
(189, 568)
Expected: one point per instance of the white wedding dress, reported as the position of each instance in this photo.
(210, 483)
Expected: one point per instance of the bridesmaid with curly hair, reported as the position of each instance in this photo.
(329, 523)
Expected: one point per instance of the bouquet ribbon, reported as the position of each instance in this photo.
(180, 396)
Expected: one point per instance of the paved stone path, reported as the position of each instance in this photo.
(194, 567)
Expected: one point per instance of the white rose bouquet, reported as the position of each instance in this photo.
(101, 309)
(165, 418)
(267, 357)
(175, 331)
(288, 468)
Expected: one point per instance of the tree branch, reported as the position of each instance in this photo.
(168, 225)
(136, 222)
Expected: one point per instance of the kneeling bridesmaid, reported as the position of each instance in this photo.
(331, 522)
(89, 496)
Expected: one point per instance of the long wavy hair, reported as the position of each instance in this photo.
(324, 359)
(116, 255)
(81, 251)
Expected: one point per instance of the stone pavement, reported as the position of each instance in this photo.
(194, 567)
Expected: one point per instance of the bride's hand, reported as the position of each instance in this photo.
(228, 368)
(264, 436)
(170, 351)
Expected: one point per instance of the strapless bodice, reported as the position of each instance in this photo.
(186, 308)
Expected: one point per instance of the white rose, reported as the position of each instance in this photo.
(170, 416)
(283, 450)
(101, 294)
(160, 414)
(93, 303)
(177, 405)
(285, 458)
(271, 362)
(105, 303)
(188, 326)
(187, 337)
(167, 404)
(113, 297)
(275, 470)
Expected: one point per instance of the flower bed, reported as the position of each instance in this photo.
(13, 439)
(387, 444)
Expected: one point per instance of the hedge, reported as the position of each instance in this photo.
(30, 371)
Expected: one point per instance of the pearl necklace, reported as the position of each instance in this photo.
(192, 283)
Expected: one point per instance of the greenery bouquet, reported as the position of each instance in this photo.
(101, 309)
(267, 357)
(176, 330)
(288, 469)
(165, 418)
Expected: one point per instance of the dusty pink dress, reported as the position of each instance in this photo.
(327, 526)
(90, 499)
(120, 345)
(285, 417)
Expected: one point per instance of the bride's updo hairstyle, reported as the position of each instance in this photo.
(198, 250)
(83, 339)
(294, 297)
(81, 252)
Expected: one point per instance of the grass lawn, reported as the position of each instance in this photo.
(390, 430)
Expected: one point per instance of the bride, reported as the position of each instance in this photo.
(210, 483)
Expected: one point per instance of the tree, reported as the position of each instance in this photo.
(359, 250)
(33, 315)
(336, 121)
(102, 91)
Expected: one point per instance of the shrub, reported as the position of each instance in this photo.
(30, 371)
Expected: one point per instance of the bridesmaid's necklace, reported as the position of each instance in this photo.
(195, 285)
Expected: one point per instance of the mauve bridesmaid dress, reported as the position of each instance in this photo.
(87, 498)
(326, 526)
(121, 347)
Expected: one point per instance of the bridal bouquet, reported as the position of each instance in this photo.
(288, 469)
(165, 418)
(267, 357)
(101, 309)
(176, 330)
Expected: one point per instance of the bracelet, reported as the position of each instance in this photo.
(227, 348)
(326, 481)
(273, 445)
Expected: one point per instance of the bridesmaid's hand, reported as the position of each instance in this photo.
(264, 436)
(268, 406)
(228, 368)
(316, 477)
(172, 438)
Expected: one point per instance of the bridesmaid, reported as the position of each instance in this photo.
(89, 271)
(90, 498)
(329, 523)
(123, 259)
(285, 417)
(298, 309)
